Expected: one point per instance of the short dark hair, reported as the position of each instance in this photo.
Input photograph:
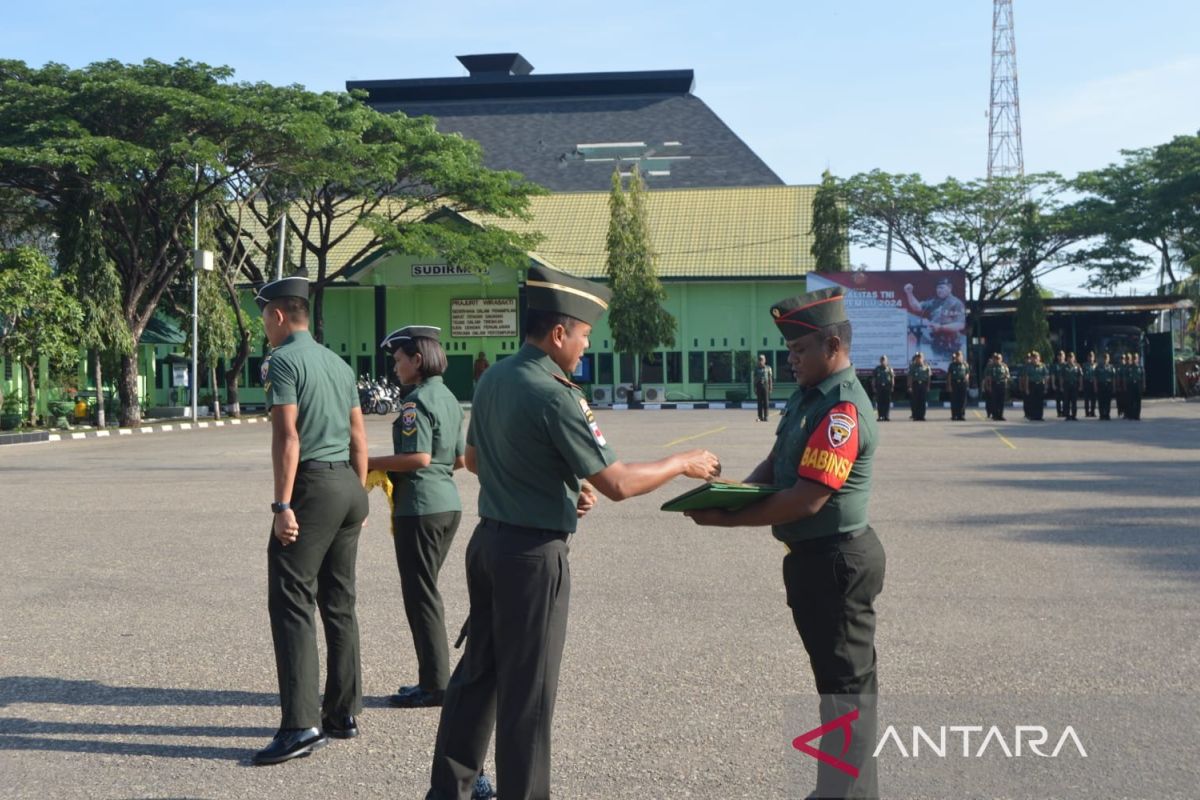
(294, 308)
(433, 357)
(841, 330)
(538, 323)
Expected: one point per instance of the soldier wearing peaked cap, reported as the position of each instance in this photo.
(834, 567)
(427, 439)
(531, 439)
(319, 456)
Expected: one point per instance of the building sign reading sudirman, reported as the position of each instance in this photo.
(483, 316)
(441, 270)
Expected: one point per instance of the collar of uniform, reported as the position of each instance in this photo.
(297, 336)
(433, 379)
(542, 358)
(827, 385)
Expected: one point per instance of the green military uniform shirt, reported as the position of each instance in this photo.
(763, 376)
(1134, 376)
(1054, 371)
(958, 372)
(998, 374)
(918, 374)
(306, 374)
(1089, 372)
(827, 435)
(1036, 373)
(1106, 376)
(1069, 374)
(535, 437)
(430, 422)
(883, 378)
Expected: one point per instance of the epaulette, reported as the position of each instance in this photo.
(566, 382)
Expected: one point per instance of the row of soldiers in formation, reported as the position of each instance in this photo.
(1099, 384)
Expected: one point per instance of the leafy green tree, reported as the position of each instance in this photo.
(359, 181)
(38, 318)
(830, 221)
(639, 323)
(145, 143)
(1031, 326)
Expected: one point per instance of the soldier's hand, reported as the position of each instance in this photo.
(587, 500)
(287, 529)
(701, 464)
(708, 516)
(908, 287)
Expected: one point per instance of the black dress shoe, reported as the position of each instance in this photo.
(291, 743)
(340, 727)
(417, 698)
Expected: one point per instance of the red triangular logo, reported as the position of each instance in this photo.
(845, 721)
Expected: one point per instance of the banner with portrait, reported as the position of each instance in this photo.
(900, 314)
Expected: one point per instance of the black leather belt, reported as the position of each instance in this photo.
(545, 533)
(312, 466)
(825, 542)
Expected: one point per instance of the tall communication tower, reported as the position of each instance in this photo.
(1005, 158)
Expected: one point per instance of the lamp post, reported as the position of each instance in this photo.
(201, 259)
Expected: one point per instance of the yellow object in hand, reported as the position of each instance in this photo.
(379, 478)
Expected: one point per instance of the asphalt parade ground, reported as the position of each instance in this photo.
(1023, 558)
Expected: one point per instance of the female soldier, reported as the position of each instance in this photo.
(426, 510)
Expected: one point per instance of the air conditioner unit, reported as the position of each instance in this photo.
(654, 394)
(602, 394)
(624, 393)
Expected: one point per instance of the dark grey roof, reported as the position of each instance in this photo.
(535, 124)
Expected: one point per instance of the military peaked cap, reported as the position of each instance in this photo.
(393, 339)
(548, 289)
(801, 315)
(284, 287)
(945, 282)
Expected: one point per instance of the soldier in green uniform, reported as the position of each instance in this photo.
(1105, 380)
(1089, 385)
(1054, 383)
(1033, 387)
(1119, 387)
(531, 438)
(764, 384)
(1070, 381)
(995, 386)
(1135, 387)
(883, 380)
(919, 377)
(958, 377)
(319, 455)
(834, 567)
(427, 438)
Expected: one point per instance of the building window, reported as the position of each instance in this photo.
(604, 368)
(744, 363)
(364, 365)
(720, 366)
(783, 371)
(8, 369)
(626, 364)
(254, 371)
(675, 367)
(696, 367)
(652, 368)
(161, 368)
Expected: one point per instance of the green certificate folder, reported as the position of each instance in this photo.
(718, 495)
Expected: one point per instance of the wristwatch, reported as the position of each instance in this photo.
(277, 507)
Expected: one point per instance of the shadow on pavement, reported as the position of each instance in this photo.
(62, 691)
(1159, 540)
(20, 725)
(125, 748)
(1151, 478)
(1171, 433)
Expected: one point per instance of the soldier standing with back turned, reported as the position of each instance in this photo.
(883, 380)
(531, 439)
(319, 455)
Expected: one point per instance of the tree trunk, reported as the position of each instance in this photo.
(318, 312)
(212, 378)
(234, 373)
(99, 371)
(127, 390)
(30, 391)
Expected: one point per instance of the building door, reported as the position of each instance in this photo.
(1160, 365)
(459, 376)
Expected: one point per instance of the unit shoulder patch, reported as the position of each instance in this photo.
(408, 418)
(590, 418)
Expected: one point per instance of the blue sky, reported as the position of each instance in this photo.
(850, 85)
